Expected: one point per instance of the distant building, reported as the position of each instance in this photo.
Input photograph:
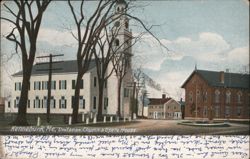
(221, 95)
(164, 108)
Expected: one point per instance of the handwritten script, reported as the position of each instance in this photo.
(145, 147)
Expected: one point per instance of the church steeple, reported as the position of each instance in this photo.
(121, 25)
(121, 6)
(120, 10)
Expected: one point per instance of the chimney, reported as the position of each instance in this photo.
(222, 77)
(163, 96)
(181, 99)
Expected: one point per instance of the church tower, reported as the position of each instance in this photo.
(121, 25)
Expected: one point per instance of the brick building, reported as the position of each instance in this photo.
(220, 95)
(164, 108)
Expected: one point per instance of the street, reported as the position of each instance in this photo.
(138, 127)
(170, 127)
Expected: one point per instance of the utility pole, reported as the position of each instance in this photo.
(50, 69)
(133, 108)
(1, 99)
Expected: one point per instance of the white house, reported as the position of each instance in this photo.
(63, 84)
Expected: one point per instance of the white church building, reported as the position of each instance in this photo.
(63, 85)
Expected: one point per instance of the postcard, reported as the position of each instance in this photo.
(124, 79)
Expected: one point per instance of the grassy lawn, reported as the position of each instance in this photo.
(57, 120)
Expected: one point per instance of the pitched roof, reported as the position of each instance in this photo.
(231, 80)
(64, 67)
(158, 101)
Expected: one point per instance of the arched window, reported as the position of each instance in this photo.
(191, 97)
(198, 94)
(126, 25)
(118, 9)
(205, 96)
(228, 97)
(217, 96)
(117, 42)
(239, 96)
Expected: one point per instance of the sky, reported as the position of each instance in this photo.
(212, 34)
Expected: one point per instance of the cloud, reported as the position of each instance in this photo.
(209, 50)
(56, 37)
(148, 53)
(239, 55)
(206, 45)
(53, 37)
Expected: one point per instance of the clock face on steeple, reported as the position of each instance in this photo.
(117, 23)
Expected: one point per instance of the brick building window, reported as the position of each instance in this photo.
(190, 97)
(198, 94)
(217, 96)
(205, 96)
(205, 111)
(228, 97)
(239, 112)
(227, 111)
(239, 97)
(217, 111)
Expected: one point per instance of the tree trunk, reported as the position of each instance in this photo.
(136, 103)
(143, 105)
(119, 98)
(100, 100)
(76, 100)
(21, 119)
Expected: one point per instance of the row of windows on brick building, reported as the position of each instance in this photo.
(217, 95)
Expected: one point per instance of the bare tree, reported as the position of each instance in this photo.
(122, 65)
(121, 69)
(26, 20)
(104, 53)
(140, 81)
(87, 40)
